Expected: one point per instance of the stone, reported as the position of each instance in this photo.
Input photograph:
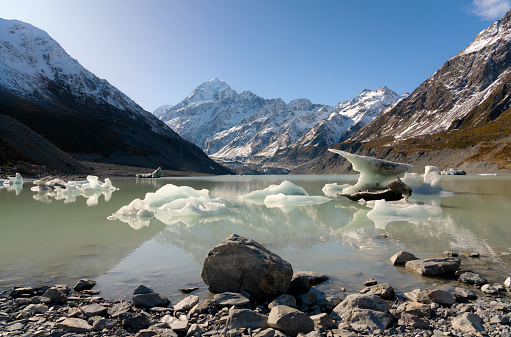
(146, 297)
(313, 277)
(33, 309)
(285, 299)
(468, 322)
(438, 296)
(383, 290)
(135, 320)
(507, 282)
(84, 284)
(118, 309)
(450, 253)
(413, 321)
(401, 258)
(229, 299)
(344, 310)
(464, 293)
(186, 303)
(434, 267)
(206, 306)
(308, 299)
(242, 265)
(248, 319)
(180, 325)
(370, 282)
(146, 333)
(74, 325)
(94, 310)
(415, 308)
(194, 330)
(323, 321)
(370, 319)
(188, 290)
(290, 320)
(19, 291)
(299, 285)
(104, 323)
(472, 278)
(270, 333)
(488, 289)
(55, 295)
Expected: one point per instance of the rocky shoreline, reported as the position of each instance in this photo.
(263, 297)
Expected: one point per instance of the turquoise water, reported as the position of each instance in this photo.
(43, 240)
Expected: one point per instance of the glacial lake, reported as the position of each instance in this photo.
(49, 241)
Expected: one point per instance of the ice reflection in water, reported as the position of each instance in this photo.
(60, 242)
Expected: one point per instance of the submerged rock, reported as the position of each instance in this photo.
(434, 267)
(242, 265)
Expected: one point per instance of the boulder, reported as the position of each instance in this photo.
(383, 290)
(84, 284)
(401, 258)
(415, 308)
(94, 309)
(74, 325)
(146, 297)
(344, 310)
(323, 321)
(242, 265)
(186, 303)
(434, 267)
(135, 320)
(431, 296)
(290, 320)
(230, 299)
(370, 319)
(472, 278)
(468, 322)
(313, 277)
(270, 333)
(507, 282)
(248, 319)
(413, 321)
(489, 289)
(464, 293)
(55, 295)
(285, 299)
(299, 285)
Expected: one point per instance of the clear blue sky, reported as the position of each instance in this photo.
(158, 51)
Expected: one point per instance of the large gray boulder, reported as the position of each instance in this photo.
(240, 265)
(434, 267)
(247, 319)
(345, 310)
(290, 320)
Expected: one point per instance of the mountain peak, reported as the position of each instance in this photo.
(214, 89)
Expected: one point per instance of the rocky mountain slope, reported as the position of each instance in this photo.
(248, 129)
(44, 88)
(459, 117)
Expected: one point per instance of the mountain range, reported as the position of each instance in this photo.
(246, 129)
(48, 92)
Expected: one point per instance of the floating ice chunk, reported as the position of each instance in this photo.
(282, 200)
(375, 174)
(137, 214)
(286, 188)
(411, 179)
(133, 208)
(18, 179)
(431, 183)
(172, 192)
(331, 190)
(382, 214)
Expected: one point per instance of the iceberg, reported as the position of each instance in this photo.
(286, 188)
(382, 214)
(375, 174)
(331, 190)
(18, 179)
(282, 200)
(170, 192)
(431, 184)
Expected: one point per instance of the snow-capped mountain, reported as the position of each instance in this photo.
(459, 86)
(245, 127)
(51, 93)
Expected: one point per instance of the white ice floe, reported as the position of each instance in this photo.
(171, 204)
(282, 200)
(382, 213)
(411, 179)
(431, 184)
(18, 179)
(331, 190)
(170, 192)
(286, 188)
(375, 174)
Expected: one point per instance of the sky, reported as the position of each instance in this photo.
(158, 51)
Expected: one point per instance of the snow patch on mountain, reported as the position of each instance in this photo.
(245, 127)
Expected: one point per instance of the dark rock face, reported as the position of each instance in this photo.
(242, 265)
